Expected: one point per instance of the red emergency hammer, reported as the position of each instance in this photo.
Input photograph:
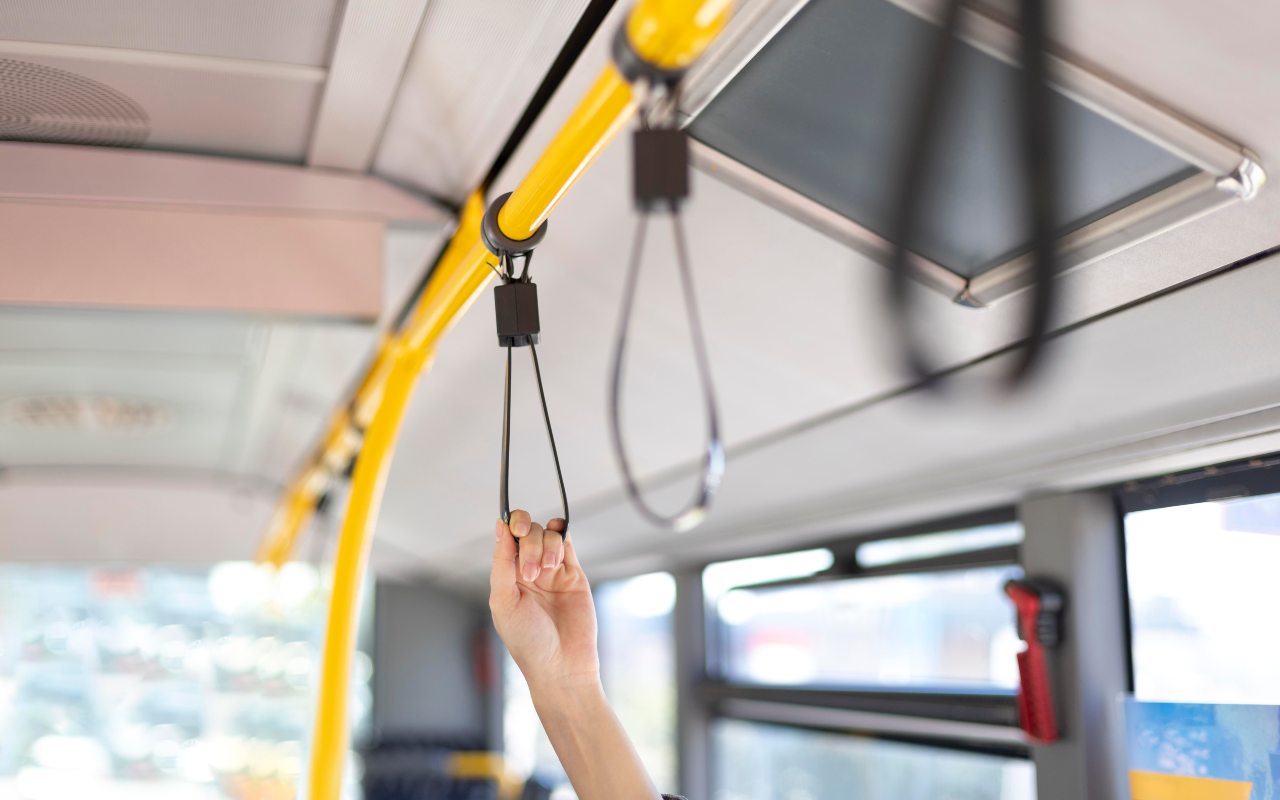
(1039, 613)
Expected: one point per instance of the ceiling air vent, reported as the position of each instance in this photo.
(92, 413)
(45, 104)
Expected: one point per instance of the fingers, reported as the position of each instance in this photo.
(502, 574)
(520, 523)
(570, 555)
(552, 549)
(531, 547)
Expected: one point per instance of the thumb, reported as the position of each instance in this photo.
(503, 573)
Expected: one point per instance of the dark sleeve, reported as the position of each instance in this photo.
(671, 797)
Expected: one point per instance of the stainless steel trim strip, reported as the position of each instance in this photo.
(871, 722)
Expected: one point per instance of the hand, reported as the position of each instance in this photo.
(541, 604)
(542, 607)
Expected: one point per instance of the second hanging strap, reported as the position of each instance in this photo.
(661, 183)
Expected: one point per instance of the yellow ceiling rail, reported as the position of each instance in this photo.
(291, 517)
(673, 32)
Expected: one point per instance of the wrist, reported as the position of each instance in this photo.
(566, 691)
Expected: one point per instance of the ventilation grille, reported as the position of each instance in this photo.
(45, 104)
(86, 414)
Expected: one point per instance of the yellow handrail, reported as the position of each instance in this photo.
(329, 737)
(667, 32)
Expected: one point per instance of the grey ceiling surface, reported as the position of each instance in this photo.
(822, 110)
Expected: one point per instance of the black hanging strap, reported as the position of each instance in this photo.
(504, 499)
(661, 184)
(519, 325)
(1038, 167)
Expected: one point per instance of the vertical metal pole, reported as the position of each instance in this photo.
(692, 714)
(1075, 539)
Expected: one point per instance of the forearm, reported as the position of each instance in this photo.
(593, 748)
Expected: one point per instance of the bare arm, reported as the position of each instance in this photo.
(542, 608)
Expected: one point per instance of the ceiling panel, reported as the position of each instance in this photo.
(194, 104)
(236, 395)
(120, 517)
(190, 370)
(473, 70)
(285, 31)
(799, 338)
(228, 395)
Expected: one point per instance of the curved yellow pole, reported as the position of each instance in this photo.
(292, 516)
(458, 279)
(329, 738)
(451, 290)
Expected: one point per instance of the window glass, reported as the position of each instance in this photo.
(173, 683)
(637, 662)
(950, 630)
(754, 761)
(725, 575)
(884, 552)
(1204, 583)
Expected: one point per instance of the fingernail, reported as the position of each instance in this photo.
(521, 528)
(549, 561)
(531, 571)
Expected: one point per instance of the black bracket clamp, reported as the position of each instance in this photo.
(515, 302)
(499, 243)
(634, 67)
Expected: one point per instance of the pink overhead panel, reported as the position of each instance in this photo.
(97, 227)
(72, 255)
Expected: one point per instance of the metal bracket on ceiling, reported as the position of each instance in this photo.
(1245, 180)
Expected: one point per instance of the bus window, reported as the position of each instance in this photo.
(873, 619)
(637, 665)
(123, 681)
(1202, 577)
(831, 674)
(754, 761)
(898, 550)
(948, 629)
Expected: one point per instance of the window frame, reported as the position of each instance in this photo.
(1246, 477)
(979, 720)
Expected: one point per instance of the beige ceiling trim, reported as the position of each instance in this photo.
(374, 43)
(70, 174)
(169, 61)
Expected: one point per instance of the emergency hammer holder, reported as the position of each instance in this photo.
(1038, 605)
